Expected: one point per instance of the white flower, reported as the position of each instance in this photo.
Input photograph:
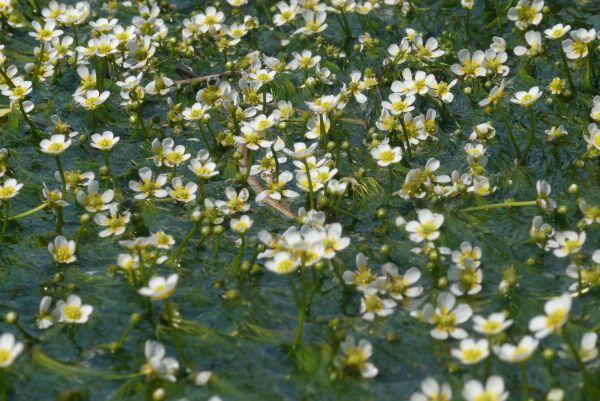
(400, 286)
(93, 201)
(354, 358)
(371, 305)
(159, 288)
(557, 31)
(149, 187)
(472, 351)
(494, 390)
(494, 324)
(385, 155)
(446, 317)
(91, 99)
(431, 390)
(182, 193)
(241, 225)
(55, 145)
(283, 263)
(45, 319)
(588, 350)
(526, 13)
(557, 313)
(105, 141)
(9, 189)
(398, 104)
(427, 226)
(73, 311)
(470, 66)
(566, 243)
(62, 250)
(9, 349)
(534, 40)
(114, 224)
(195, 113)
(158, 365)
(519, 353)
(527, 98)
(300, 151)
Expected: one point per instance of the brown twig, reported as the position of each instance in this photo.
(258, 188)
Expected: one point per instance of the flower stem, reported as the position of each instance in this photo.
(567, 70)
(184, 242)
(499, 206)
(61, 172)
(390, 185)
(531, 133)
(301, 309)
(29, 212)
(310, 185)
(576, 356)
(5, 219)
(510, 133)
(525, 382)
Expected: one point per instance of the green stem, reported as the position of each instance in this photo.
(576, 355)
(567, 70)
(5, 219)
(531, 133)
(310, 185)
(405, 134)
(29, 212)
(390, 185)
(510, 133)
(499, 206)
(61, 172)
(525, 381)
(301, 309)
(186, 239)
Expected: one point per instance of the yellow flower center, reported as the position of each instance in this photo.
(72, 312)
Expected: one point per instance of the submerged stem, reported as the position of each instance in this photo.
(500, 205)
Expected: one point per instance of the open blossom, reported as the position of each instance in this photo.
(314, 22)
(426, 227)
(385, 155)
(471, 351)
(159, 288)
(93, 200)
(557, 31)
(9, 189)
(62, 250)
(55, 145)
(92, 99)
(492, 325)
(73, 310)
(148, 186)
(182, 193)
(105, 141)
(470, 66)
(446, 316)
(10, 349)
(372, 305)
(157, 364)
(556, 315)
(493, 389)
(113, 224)
(526, 13)
(431, 390)
(566, 243)
(354, 358)
(527, 98)
(517, 353)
